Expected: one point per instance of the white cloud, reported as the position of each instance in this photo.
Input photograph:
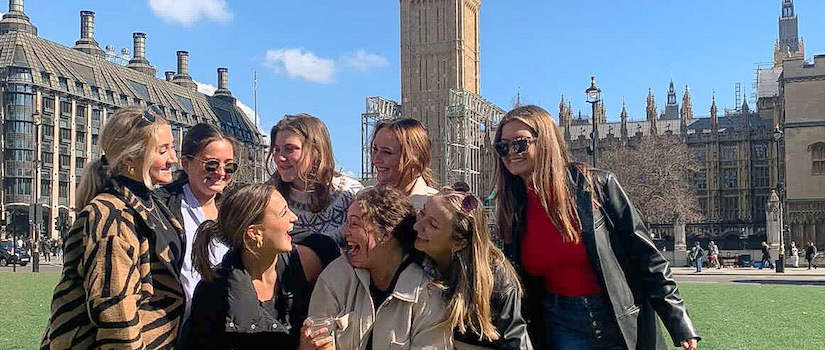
(209, 89)
(363, 61)
(301, 64)
(188, 12)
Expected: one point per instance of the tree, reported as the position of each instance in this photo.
(657, 174)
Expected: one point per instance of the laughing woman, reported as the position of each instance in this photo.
(305, 174)
(257, 297)
(401, 156)
(584, 248)
(120, 286)
(379, 294)
(483, 290)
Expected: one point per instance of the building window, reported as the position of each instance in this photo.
(64, 84)
(728, 153)
(48, 158)
(700, 181)
(48, 104)
(761, 177)
(761, 203)
(818, 158)
(19, 127)
(65, 160)
(699, 155)
(48, 132)
(79, 163)
(96, 113)
(730, 208)
(703, 205)
(760, 152)
(19, 155)
(65, 135)
(66, 107)
(63, 189)
(16, 186)
(80, 136)
(730, 177)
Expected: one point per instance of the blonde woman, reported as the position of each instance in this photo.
(305, 175)
(120, 285)
(483, 291)
(400, 155)
(593, 276)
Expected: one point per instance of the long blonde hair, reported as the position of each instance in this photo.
(471, 282)
(127, 135)
(415, 149)
(317, 147)
(550, 179)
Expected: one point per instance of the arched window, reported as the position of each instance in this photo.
(817, 158)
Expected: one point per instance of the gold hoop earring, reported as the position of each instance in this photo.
(131, 171)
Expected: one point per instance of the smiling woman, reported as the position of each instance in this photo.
(120, 235)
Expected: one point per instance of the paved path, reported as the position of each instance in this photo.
(792, 276)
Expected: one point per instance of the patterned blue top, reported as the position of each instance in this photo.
(328, 221)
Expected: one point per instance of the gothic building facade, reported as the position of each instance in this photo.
(55, 101)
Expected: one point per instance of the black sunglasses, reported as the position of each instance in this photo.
(212, 165)
(470, 201)
(148, 117)
(503, 148)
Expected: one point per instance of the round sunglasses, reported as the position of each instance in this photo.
(503, 148)
(212, 165)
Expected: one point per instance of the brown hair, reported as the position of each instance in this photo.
(549, 179)
(240, 208)
(199, 136)
(389, 210)
(127, 135)
(415, 149)
(315, 139)
(470, 283)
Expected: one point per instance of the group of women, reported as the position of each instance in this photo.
(312, 260)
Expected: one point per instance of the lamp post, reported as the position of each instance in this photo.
(593, 98)
(780, 265)
(35, 208)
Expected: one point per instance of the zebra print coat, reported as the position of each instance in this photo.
(120, 287)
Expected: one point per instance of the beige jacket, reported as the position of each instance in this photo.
(420, 193)
(410, 318)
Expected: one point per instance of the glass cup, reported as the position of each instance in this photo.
(321, 322)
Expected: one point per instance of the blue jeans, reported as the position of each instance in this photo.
(581, 323)
(698, 263)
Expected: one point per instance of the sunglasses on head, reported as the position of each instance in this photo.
(149, 116)
(503, 148)
(212, 165)
(470, 201)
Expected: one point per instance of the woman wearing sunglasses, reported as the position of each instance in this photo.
(208, 161)
(482, 288)
(594, 279)
(120, 286)
(305, 174)
(401, 156)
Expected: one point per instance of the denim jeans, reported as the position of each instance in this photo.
(698, 263)
(581, 323)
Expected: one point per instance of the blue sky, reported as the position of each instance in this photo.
(325, 57)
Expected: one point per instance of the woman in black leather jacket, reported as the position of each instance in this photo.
(594, 279)
(482, 288)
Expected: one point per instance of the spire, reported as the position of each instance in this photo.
(714, 118)
(687, 105)
(788, 45)
(651, 105)
(624, 120)
(671, 94)
(745, 108)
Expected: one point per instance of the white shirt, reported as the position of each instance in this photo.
(193, 216)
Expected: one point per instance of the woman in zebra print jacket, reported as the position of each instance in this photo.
(120, 286)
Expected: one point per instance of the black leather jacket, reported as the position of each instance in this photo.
(505, 305)
(633, 273)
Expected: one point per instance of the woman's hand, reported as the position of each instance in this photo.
(318, 339)
(690, 344)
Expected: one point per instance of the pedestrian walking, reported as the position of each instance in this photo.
(714, 255)
(794, 254)
(593, 277)
(696, 254)
(810, 255)
(766, 256)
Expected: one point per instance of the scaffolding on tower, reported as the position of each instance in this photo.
(377, 109)
(468, 133)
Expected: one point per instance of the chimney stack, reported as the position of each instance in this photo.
(16, 19)
(139, 61)
(223, 86)
(183, 78)
(170, 75)
(87, 41)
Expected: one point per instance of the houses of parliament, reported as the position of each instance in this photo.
(738, 151)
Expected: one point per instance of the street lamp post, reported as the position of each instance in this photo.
(35, 208)
(593, 98)
(780, 265)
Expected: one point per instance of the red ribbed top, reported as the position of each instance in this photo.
(564, 265)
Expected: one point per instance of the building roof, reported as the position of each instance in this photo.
(22, 49)
(767, 82)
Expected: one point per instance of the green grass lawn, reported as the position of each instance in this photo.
(728, 316)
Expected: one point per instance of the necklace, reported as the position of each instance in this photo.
(157, 216)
